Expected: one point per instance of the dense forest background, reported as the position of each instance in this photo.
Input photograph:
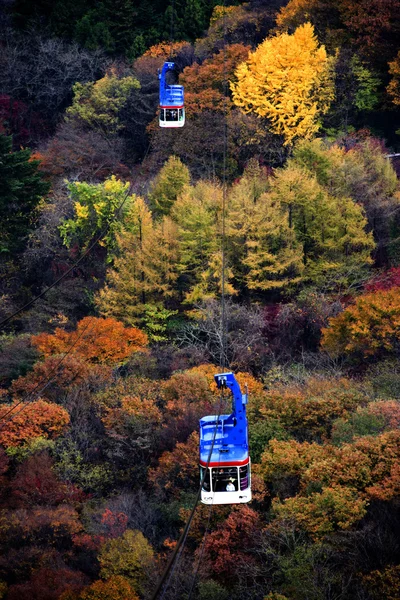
(111, 243)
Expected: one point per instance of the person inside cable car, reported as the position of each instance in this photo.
(230, 487)
(222, 477)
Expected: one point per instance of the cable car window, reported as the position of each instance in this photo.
(171, 115)
(244, 477)
(225, 479)
(206, 482)
(180, 113)
(162, 114)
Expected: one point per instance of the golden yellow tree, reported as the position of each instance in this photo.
(369, 328)
(288, 79)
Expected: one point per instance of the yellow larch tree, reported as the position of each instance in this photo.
(275, 256)
(197, 215)
(143, 273)
(288, 79)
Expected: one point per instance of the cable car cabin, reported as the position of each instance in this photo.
(227, 479)
(172, 110)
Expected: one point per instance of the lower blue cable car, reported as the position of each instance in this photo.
(172, 110)
(227, 478)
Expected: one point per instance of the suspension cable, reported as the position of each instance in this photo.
(203, 543)
(171, 566)
(182, 539)
(171, 35)
(224, 357)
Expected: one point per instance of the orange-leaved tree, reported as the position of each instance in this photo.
(95, 340)
(40, 525)
(31, 420)
(384, 583)
(61, 377)
(308, 410)
(394, 85)
(133, 423)
(366, 461)
(205, 83)
(177, 470)
(165, 50)
(116, 587)
(297, 12)
(370, 327)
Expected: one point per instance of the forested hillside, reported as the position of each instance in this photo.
(275, 210)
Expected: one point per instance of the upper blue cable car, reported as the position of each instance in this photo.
(228, 476)
(172, 110)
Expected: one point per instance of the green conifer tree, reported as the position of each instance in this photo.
(21, 188)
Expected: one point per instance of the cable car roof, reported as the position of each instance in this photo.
(231, 432)
(171, 96)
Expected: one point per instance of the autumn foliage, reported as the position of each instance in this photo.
(29, 420)
(204, 84)
(230, 542)
(36, 483)
(118, 238)
(60, 376)
(370, 327)
(292, 107)
(177, 469)
(95, 340)
(116, 587)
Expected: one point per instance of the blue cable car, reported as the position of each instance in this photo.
(172, 110)
(227, 479)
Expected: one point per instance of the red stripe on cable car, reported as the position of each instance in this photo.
(236, 463)
(174, 107)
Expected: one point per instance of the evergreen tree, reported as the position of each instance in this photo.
(21, 188)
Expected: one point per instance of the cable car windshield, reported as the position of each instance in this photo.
(224, 479)
(167, 114)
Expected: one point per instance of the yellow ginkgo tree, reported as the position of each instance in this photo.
(288, 79)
